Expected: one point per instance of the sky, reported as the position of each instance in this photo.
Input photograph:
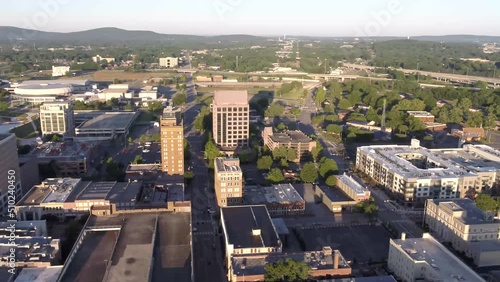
(260, 17)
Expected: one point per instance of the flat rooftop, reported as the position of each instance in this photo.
(392, 156)
(230, 97)
(30, 249)
(240, 222)
(471, 213)
(353, 184)
(64, 150)
(161, 241)
(317, 260)
(223, 165)
(109, 121)
(291, 136)
(124, 192)
(280, 193)
(52, 190)
(429, 251)
(96, 191)
(335, 194)
(420, 114)
(39, 274)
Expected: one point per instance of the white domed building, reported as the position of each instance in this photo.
(38, 92)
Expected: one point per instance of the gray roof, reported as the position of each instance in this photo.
(280, 193)
(239, 223)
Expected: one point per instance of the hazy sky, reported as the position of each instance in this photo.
(261, 17)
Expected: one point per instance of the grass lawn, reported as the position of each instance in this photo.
(26, 130)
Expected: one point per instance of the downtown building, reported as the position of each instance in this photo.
(292, 139)
(57, 118)
(228, 181)
(172, 141)
(416, 173)
(230, 119)
(467, 228)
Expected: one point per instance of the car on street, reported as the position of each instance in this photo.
(146, 151)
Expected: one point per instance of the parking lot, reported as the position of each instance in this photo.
(361, 244)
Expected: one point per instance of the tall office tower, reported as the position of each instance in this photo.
(57, 117)
(230, 119)
(228, 181)
(10, 186)
(172, 141)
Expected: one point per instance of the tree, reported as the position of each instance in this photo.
(320, 96)
(334, 128)
(309, 173)
(4, 106)
(275, 176)
(279, 153)
(274, 110)
(188, 176)
(410, 105)
(317, 151)
(155, 107)
(286, 270)
(328, 167)
(179, 99)
(211, 152)
(464, 104)
(283, 163)
(486, 203)
(291, 154)
(369, 206)
(265, 162)
(137, 160)
(281, 127)
(55, 138)
(344, 104)
(331, 181)
(474, 119)
(128, 108)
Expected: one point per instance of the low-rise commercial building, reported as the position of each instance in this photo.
(334, 198)
(70, 197)
(57, 118)
(105, 126)
(228, 180)
(416, 173)
(31, 251)
(248, 230)
(324, 263)
(99, 60)
(296, 140)
(423, 116)
(169, 62)
(39, 274)
(353, 188)
(280, 199)
(60, 70)
(65, 159)
(425, 259)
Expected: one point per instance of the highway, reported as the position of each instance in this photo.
(207, 249)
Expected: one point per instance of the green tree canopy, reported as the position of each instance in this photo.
(334, 128)
(291, 154)
(155, 107)
(211, 152)
(317, 151)
(286, 270)
(344, 104)
(265, 162)
(280, 153)
(137, 160)
(275, 176)
(331, 181)
(309, 173)
(274, 110)
(328, 167)
(179, 99)
(320, 95)
(486, 203)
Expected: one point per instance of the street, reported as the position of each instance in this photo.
(207, 249)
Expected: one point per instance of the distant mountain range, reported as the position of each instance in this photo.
(116, 35)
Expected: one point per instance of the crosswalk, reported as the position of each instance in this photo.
(211, 233)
